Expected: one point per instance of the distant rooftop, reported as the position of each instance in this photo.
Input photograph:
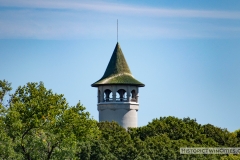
(117, 71)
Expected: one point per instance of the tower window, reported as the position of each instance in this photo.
(121, 95)
(133, 96)
(107, 95)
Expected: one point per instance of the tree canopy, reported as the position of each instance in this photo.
(40, 124)
(36, 123)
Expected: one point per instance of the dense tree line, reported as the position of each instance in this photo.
(36, 123)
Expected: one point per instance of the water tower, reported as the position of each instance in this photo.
(118, 92)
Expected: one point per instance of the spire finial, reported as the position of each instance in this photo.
(117, 30)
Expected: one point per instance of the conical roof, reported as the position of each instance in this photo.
(117, 71)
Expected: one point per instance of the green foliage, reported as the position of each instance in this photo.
(120, 141)
(163, 138)
(42, 125)
(36, 123)
(237, 134)
(5, 87)
(6, 143)
(222, 136)
(174, 128)
(113, 143)
(231, 157)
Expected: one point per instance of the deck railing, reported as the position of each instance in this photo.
(108, 99)
(119, 100)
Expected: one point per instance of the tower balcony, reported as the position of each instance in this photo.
(117, 93)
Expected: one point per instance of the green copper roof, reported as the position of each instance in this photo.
(117, 71)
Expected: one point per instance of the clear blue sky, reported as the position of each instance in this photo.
(186, 52)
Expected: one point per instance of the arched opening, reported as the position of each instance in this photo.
(107, 95)
(133, 96)
(99, 96)
(121, 95)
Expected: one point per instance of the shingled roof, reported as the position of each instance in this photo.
(117, 71)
